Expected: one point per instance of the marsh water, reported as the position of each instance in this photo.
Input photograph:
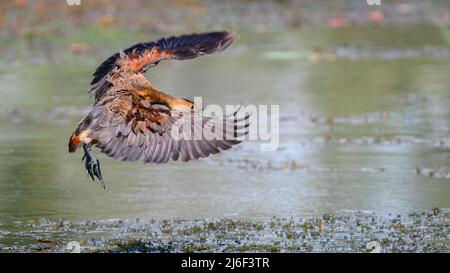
(364, 125)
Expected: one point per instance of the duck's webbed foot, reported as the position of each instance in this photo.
(92, 164)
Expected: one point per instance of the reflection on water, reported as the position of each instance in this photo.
(356, 134)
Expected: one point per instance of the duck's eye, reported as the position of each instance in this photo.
(192, 106)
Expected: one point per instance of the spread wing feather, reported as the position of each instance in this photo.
(130, 132)
(144, 55)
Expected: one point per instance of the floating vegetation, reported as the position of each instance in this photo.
(427, 231)
(317, 120)
(292, 165)
(382, 140)
(355, 53)
(440, 172)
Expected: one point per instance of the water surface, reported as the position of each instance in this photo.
(364, 126)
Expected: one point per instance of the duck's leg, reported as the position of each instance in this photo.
(92, 164)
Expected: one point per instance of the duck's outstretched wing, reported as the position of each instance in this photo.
(144, 55)
(124, 130)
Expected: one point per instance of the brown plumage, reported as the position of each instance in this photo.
(132, 120)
